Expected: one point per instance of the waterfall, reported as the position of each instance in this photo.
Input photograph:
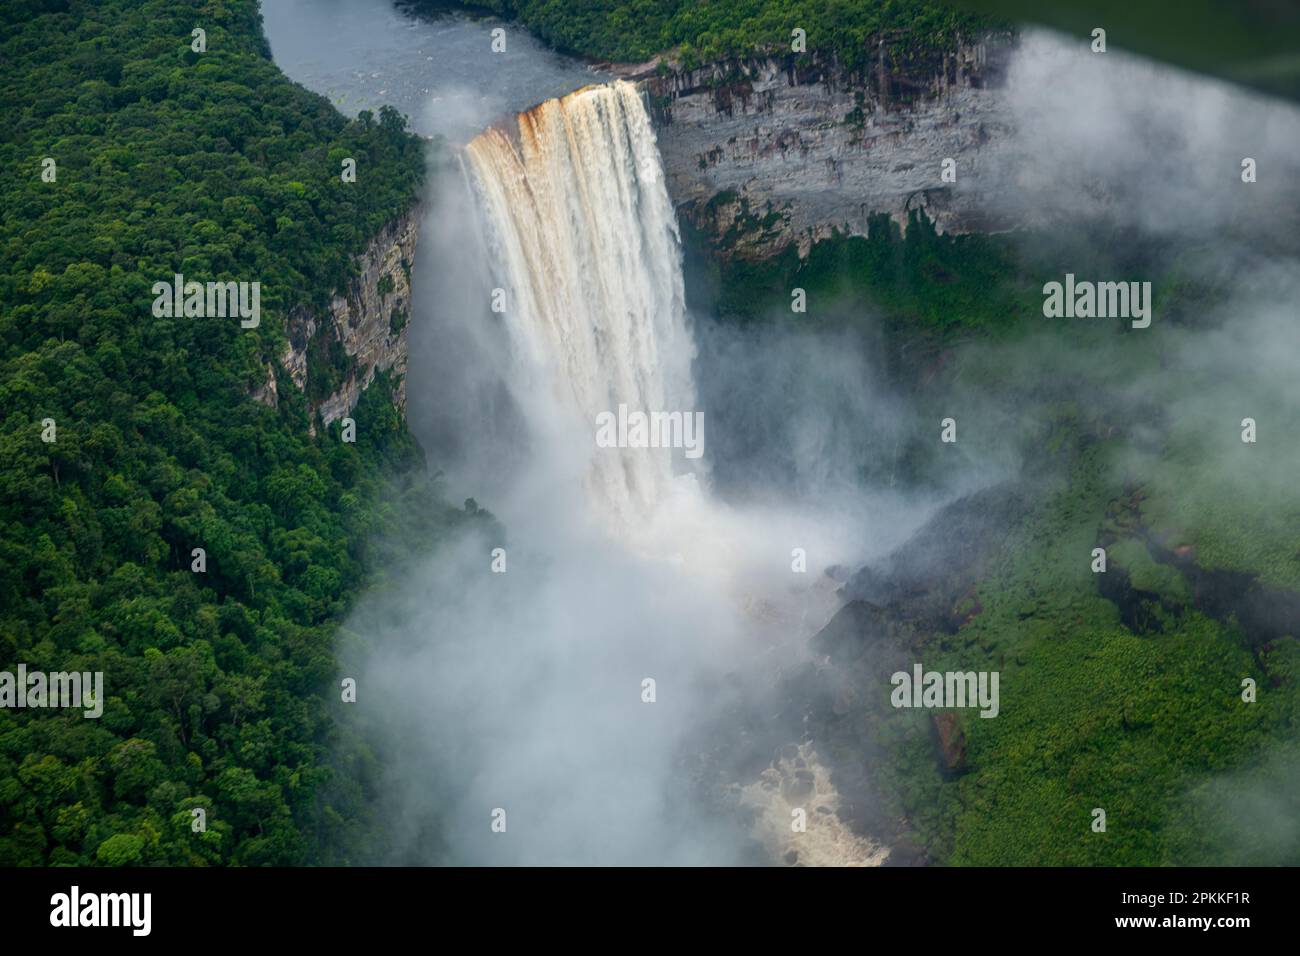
(584, 243)
(624, 575)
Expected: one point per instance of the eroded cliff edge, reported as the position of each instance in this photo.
(334, 358)
(764, 152)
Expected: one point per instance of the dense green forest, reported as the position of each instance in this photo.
(217, 684)
(704, 32)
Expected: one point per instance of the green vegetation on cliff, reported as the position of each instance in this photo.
(217, 684)
(635, 30)
(917, 281)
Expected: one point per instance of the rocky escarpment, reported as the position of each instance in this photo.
(333, 358)
(766, 152)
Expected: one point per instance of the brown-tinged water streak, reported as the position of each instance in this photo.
(584, 243)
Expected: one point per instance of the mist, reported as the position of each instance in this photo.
(1165, 194)
(1146, 146)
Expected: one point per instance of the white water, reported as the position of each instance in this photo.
(586, 246)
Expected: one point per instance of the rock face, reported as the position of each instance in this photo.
(365, 329)
(268, 392)
(763, 153)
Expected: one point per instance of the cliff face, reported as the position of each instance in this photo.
(335, 358)
(763, 153)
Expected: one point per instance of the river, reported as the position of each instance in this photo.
(438, 69)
